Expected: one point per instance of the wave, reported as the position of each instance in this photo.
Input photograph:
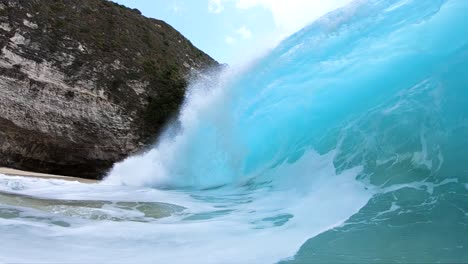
(346, 143)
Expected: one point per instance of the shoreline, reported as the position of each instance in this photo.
(20, 173)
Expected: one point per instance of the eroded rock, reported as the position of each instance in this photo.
(86, 83)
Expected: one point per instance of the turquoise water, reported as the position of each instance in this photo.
(345, 144)
(384, 85)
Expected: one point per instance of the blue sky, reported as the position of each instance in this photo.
(231, 31)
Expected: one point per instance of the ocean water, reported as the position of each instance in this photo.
(347, 143)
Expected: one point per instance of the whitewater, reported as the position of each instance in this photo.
(345, 143)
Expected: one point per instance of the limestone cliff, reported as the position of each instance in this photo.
(85, 83)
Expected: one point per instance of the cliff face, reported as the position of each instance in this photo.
(85, 83)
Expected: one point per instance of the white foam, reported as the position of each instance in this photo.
(397, 5)
(245, 235)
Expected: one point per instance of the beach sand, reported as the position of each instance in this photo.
(13, 172)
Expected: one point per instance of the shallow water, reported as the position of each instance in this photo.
(86, 209)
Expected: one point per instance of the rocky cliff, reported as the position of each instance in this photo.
(85, 83)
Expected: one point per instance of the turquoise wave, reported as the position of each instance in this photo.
(344, 144)
(380, 89)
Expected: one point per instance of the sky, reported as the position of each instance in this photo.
(231, 31)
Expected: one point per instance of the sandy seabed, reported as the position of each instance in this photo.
(13, 172)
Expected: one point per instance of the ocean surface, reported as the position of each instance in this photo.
(347, 143)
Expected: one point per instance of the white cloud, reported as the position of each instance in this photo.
(215, 6)
(244, 32)
(292, 15)
(229, 40)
